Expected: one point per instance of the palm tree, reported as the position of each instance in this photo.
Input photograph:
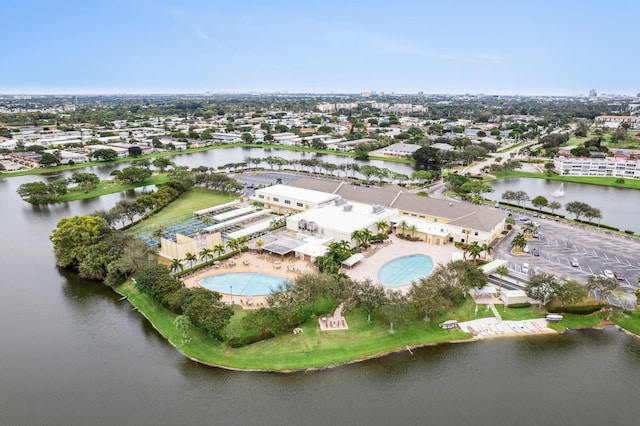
(413, 229)
(502, 270)
(206, 254)
(366, 236)
(403, 225)
(242, 241)
(219, 248)
(190, 257)
(259, 245)
(474, 250)
(487, 249)
(176, 264)
(233, 244)
(357, 235)
(381, 226)
(519, 241)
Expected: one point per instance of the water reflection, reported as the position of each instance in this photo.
(618, 206)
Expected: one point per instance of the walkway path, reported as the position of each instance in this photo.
(334, 322)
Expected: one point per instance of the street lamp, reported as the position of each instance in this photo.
(231, 293)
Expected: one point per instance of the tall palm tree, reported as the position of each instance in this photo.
(487, 249)
(259, 245)
(357, 235)
(233, 244)
(403, 225)
(206, 254)
(503, 271)
(176, 264)
(190, 257)
(413, 229)
(219, 248)
(366, 236)
(474, 250)
(243, 241)
(519, 241)
(382, 226)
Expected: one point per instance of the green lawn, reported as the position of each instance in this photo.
(579, 321)
(108, 187)
(517, 314)
(193, 200)
(310, 349)
(628, 320)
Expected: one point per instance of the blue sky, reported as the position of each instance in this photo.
(435, 46)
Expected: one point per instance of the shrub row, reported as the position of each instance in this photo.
(577, 310)
(520, 305)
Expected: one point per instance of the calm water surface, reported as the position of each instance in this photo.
(619, 207)
(72, 354)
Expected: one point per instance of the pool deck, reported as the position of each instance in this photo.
(375, 258)
(289, 267)
(286, 267)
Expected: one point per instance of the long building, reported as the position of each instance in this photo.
(622, 167)
(431, 220)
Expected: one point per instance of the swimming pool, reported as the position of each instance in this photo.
(405, 270)
(243, 283)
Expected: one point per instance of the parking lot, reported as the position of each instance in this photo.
(559, 242)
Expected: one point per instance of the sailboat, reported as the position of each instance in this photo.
(560, 191)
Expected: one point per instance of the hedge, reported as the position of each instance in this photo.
(577, 310)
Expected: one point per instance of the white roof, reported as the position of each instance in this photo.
(233, 213)
(218, 207)
(302, 194)
(353, 259)
(240, 219)
(492, 266)
(249, 230)
(312, 249)
(335, 218)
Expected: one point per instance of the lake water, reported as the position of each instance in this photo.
(73, 354)
(619, 207)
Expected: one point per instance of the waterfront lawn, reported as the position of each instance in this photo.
(579, 321)
(106, 187)
(310, 349)
(189, 202)
(518, 314)
(628, 320)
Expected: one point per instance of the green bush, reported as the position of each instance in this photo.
(577, 310)
(240, 341)
(628, 231)
(520, 305)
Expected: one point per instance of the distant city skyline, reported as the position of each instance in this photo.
(435, 47)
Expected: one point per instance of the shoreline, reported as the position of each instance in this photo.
(399, 349)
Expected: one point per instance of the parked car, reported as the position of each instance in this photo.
(608, 273)
(526, 249)
(574, 262)
(525, 268)
(535, 252)
(523, 219)
(618, 276)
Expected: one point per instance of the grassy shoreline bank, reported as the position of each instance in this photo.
(315, 350)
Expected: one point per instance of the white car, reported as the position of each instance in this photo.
(574, 262)
(608, 274)
(525, 268)
(526, 249)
